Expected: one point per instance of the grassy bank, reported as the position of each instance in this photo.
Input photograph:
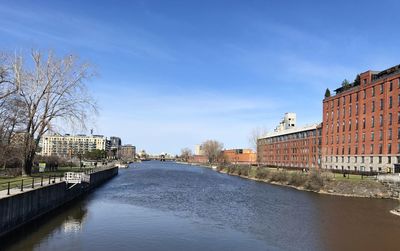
(317, 181)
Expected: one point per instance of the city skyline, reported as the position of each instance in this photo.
(170, 77)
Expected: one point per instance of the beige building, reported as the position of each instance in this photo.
(72, 145)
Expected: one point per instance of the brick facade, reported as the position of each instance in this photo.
(361, 124)
(291, 148)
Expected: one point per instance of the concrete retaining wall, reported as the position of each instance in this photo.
(22, 208)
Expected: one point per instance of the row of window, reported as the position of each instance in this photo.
(373, 109)
(372, 137)
(298, 135)
(381, 90)
(337, 159)
(372, 125)
(371, 151)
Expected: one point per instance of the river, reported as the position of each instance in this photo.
(168, 206)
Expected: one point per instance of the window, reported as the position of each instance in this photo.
(357, 122)
(380, 120)
(398, 133)
(390, 118)
(363, 137)
(371, 159)
(390, 102)
(389, 149)
(389, 159)
(398, 100)
(380, 148)
(372, 122)
(356, 150)
(356, 137)
(390, 133)
(350, 110)
(363, 149)
(357, 106)
(380, 160)
(372, 148)
(363, 123)
(349, 125)
(373, 106)
(357, 97)
(380, 135)
(381, 104)
(398, 118)
(390, 86)
(398, 150)
(372, 136)
(364, 108)
(381, 88)
(364, 94)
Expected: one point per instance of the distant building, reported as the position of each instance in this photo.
(198, 150)
(70, 146)
(240, 156)
(127, 152)
(293, 147)
(115, 142)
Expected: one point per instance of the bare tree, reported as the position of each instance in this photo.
(255, 134)
(212, 149)
(50, 89)
(186, 153)
(7, 84)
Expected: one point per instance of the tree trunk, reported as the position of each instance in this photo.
(28, 163)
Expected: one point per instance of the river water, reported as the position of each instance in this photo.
(168, 206)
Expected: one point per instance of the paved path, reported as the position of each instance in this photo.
(27, 187)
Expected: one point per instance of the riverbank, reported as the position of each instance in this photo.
(312, 181)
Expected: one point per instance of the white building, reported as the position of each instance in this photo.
(288, 122)
(69, 145)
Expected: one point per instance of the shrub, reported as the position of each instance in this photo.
(262, 173)
(315, 181)
(297, 179)
(243, 170)
(220, 168)
(279, 176)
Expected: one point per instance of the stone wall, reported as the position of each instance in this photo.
(19, 209)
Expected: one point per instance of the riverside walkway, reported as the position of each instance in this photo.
(29, 186)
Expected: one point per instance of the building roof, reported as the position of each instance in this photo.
(291, 130)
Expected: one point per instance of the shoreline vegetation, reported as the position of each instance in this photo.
(312, 181)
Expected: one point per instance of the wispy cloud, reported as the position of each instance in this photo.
(79, 31)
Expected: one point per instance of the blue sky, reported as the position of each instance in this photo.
(175, 73)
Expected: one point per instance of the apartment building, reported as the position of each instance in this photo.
(71, 145)
(361, 124)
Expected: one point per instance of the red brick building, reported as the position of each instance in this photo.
(361, 124)
(240, 156)
(291, 147)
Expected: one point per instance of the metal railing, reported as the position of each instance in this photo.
(19, 185)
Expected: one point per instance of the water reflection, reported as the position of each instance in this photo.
(66, 220)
